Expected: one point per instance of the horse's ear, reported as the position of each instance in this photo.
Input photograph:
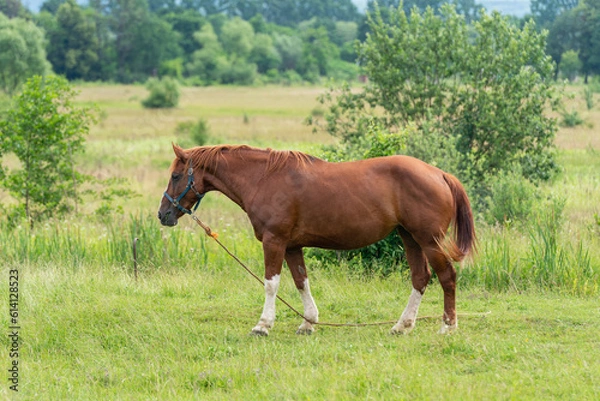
(180, 153)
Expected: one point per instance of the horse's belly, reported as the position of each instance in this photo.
(344, 235)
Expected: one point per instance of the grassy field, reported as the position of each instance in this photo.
(530, 299)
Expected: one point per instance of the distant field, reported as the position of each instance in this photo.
(90, 331)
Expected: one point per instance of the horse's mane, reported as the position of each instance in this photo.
(208, 157)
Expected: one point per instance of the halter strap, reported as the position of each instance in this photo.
(190, 185)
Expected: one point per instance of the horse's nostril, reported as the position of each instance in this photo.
(159, 215)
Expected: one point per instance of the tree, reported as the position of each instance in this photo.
(237, 36)
(472, 101)
(73, 45)
(564, 35)
(264, 54)
(290, 49)
(22, 53)
(589, 50)
(280, 12)
(51, 6)
(578, 29)
(209, 62)
(570, 65)
(317, 53)
(545, 11)
(186, 23)
(13, 9)
(45, 131)
(142, 41)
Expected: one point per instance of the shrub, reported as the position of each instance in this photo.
(511, 198)
(164, 93)
(193, 133)
(570, 65)
(570, 118)
(172, 68)
(471, 87)
(240, 73)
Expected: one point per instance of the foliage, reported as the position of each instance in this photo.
(570, 65)
(72, 42)
(209, 61)
(141, 40)
(546, 11)
(172, 68)
(45, 131)
(22, 53)
(512, 198)
(164, 93)
(193, 133)
(578, 29)
(570, 118)
(264, 54)
(476, 92)
(13, 8)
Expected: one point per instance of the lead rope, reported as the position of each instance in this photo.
(215, 236)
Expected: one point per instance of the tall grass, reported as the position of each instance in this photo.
(543, 258)
(72, 244)
(508, 259)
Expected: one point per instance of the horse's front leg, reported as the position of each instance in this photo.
(295, 261)
(274, 251)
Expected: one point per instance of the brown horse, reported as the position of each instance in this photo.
(295, 200)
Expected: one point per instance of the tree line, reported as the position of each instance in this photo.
(208, 42)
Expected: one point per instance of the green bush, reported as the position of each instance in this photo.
(239, 73)
(570, 65)
(164, 93)
(512, 198)
(570, 118)
(172, 68)
(193, 133)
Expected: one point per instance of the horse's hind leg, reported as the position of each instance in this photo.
(420, 275)
(295, 261)
(446, 274)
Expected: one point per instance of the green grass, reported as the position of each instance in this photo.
(90, 331)
(94, 333)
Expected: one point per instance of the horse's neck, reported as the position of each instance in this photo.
(237, 177)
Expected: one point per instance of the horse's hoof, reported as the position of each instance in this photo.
(402, 328)
(304, 332)
(259, 332)
(448, 328)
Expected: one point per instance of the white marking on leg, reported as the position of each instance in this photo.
(409, 316)
(310, 310)
(267, 319)
(448, 328)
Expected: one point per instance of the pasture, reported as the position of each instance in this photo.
(89, 330)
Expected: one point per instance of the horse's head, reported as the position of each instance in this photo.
(182, 192)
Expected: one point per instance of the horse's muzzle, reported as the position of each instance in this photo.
(167, 218)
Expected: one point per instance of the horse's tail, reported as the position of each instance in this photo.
(464, 227)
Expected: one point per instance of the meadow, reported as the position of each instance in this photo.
(529, 310)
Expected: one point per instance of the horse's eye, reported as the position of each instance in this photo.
(175, 176)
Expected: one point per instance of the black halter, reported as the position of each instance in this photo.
(190, 185)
